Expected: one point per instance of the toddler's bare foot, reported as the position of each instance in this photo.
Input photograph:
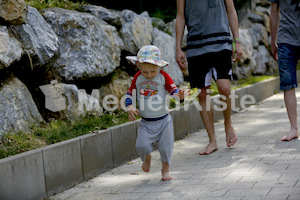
(231, 137)
(165, 172)
(166, 176)
(211, 147)
(147, 163)
(291, 135)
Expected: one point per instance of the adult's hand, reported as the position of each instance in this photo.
(181, 59)
(237, 54)
(274, 49)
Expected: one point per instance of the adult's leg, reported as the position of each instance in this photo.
(288, 56)
(291, 107)
(224, 90)
(207, 118)
(200, 77)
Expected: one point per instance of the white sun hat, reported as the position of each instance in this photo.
(148, 54)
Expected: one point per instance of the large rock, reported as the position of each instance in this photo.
(136, 30)
(262, 58)
(263, 10)
(265, 14)
(10, 48)
(242, 71)
(170, 29)
(246, 44)
(256, 58)
(38, 38)
(13, 11)
(110, 16)
(272, 67)
(255, 18)
(159, 23)
(259, 35)
(166, 44)
(265, 63)
(17, 108)
(262, 3)
(89, 47)
(117, 88)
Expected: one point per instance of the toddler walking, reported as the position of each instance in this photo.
(152, 85)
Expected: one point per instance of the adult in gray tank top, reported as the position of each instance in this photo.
(209, 54)
(286, 49)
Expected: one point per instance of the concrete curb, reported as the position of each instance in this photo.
(46, 171)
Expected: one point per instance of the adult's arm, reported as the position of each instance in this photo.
(274, 21)
(179, 28)
(234, 26)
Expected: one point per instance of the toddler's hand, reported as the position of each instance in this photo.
(132, 113)
(184, 93)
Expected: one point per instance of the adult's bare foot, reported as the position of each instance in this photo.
(211, 147)
(165, 172)
(231, 136)
(147, 163)
(291, 135)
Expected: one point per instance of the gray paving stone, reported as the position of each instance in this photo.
(247, 192)
(125, 196)
(276, 184)
(265, 197)
(163, 195)
(293, 197)
(206, 193)
(285, 190)
(233, 186)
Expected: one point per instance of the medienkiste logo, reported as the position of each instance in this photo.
(56, 101)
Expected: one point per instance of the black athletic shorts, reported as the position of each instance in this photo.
(203, 68)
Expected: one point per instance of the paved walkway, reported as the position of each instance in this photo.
(259, 166)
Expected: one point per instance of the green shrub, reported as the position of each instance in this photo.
(66, 4)
(166, 15)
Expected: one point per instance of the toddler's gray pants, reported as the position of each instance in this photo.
(160, 131)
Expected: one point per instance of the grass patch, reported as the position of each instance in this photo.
(56, 131)
(61, 130)
(250, 80)
(12, 144)
(66, 4)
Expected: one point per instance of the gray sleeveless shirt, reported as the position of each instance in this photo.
(208, 27)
